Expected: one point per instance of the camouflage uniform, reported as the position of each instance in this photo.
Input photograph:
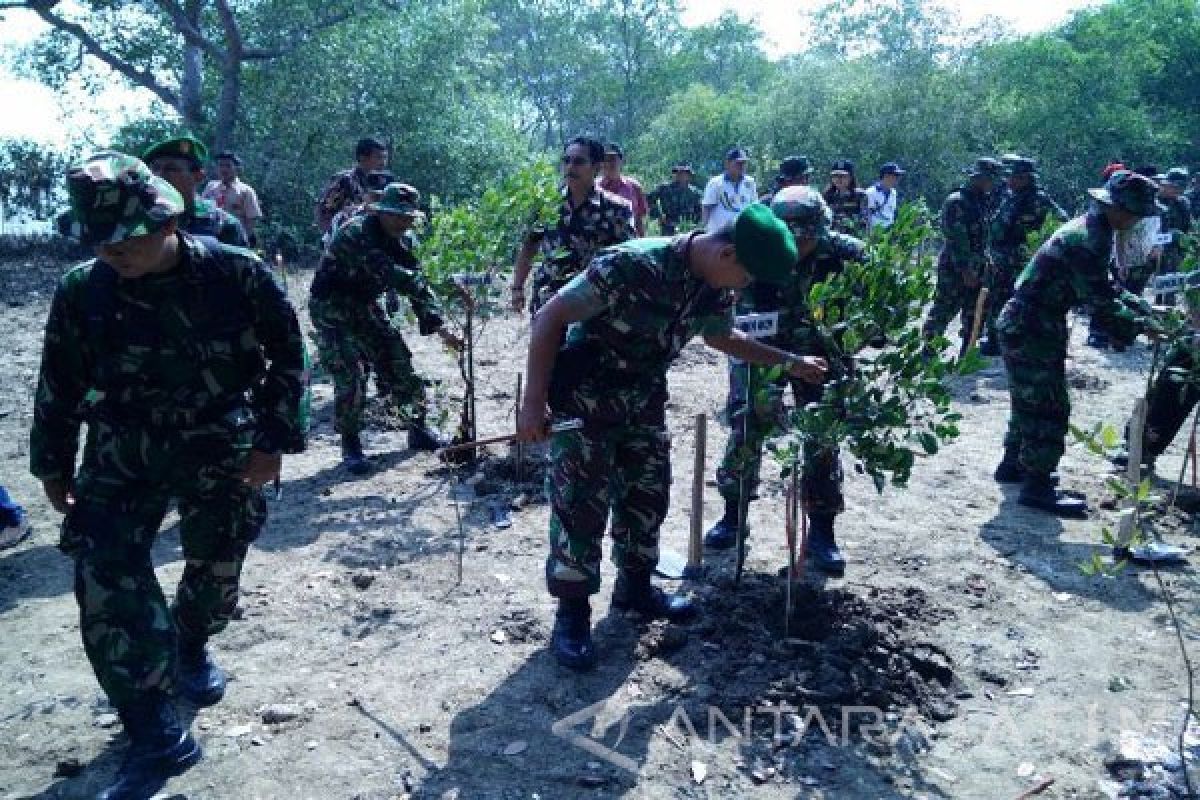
(205, 219)
(644, 304)
(346, 188)
(1177, 221)
(361, 263)
(566, 249)
(1069, 270)
(677, 208)
(966, 215)
(822, 474)
(849, 210)
(1020, 213)
(178, 375)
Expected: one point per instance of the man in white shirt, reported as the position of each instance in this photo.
(728, 193)
(882, 197)
(230, 194)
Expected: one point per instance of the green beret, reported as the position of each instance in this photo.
(764, 245)
(114, 197)
(186, 146)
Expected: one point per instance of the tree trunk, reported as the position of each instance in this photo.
(227, 103)
(191, 85)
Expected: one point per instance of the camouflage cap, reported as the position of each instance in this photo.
(763, 244)
(795, 167)
(1130, 192)
(185, 146)
(1023, 166)
(803, 209)
(986, 167)
(114, 197)
(1177, 176)
(398, 198)
(1008, 159)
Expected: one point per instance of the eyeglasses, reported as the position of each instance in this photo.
(576, 161)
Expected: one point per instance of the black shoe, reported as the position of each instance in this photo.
(201, 681)
(634, 592)
(822, 547)
(1009, 470)
(160, 747)
(723, 535)
(352, 455)
(1040, 492)
(421, 437)
(988, 346)
(1121, 459)
(571, 640)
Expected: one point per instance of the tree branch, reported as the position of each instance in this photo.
(191, 34)
(141, 77)
(296, 38)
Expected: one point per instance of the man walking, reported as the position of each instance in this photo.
(232, 195)
(728, 193)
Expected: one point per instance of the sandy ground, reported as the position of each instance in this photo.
(995, 663)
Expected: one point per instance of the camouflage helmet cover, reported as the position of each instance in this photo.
(114, 197)
(803, 209)
(1131, 192)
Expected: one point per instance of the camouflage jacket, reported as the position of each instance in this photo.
(1177, 219)
(641, 303)
(362, 262)
(676, 205)
(1193, 198)
(1070, 269)
(965, 219)
(187, 350)
(566, 249)
(1019, 214)
(205, 219)
(346, 188)
(849, 210)
(797, 329)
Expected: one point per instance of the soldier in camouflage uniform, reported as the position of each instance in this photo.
(676, 205)
(1176, 219)
(630, 314)
(963, 264)
(184, 358)
(369, 255)
(348, 187)
(847, 202)
(180, 162)
(822, 253)
(1071, 269)
(589, 220)
(1023, 209)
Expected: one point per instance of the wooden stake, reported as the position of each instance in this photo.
(791, 512)
(520, 445)
(1133, 473)
(980, 304)
(695, 538)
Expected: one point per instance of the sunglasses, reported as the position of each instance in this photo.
(576, 161)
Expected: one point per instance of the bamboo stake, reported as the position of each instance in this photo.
(977, 323)
(695, 539)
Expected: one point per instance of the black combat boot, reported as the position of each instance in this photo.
(159, 748)
(352, 455)
(723, 535)
(1039, 491)
(201, 681)
(634, 592)
(1009, 470)
(822, 548)
(571, 640)
(422, 437)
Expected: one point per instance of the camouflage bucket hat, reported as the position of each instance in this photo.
(763, 244)
(114, 197)
(1130, 192)
(398, 198)
(986, 168)
(803, 210)
(1177, 176)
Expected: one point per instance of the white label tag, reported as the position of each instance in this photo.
(473, 278)
(1162, 238)
(1171, 282)
(758, 326)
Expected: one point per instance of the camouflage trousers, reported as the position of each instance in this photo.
(1040, 407)
(1169, 402)
(821, 470)
(951, 298)
(625, 469)
(128, 478)
(346, 336)
(1000, 283)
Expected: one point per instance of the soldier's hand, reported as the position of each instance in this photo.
(518, 299)
(59, 494)
(810, 369)
(262, 468)
(450, 340)
(533, 420)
